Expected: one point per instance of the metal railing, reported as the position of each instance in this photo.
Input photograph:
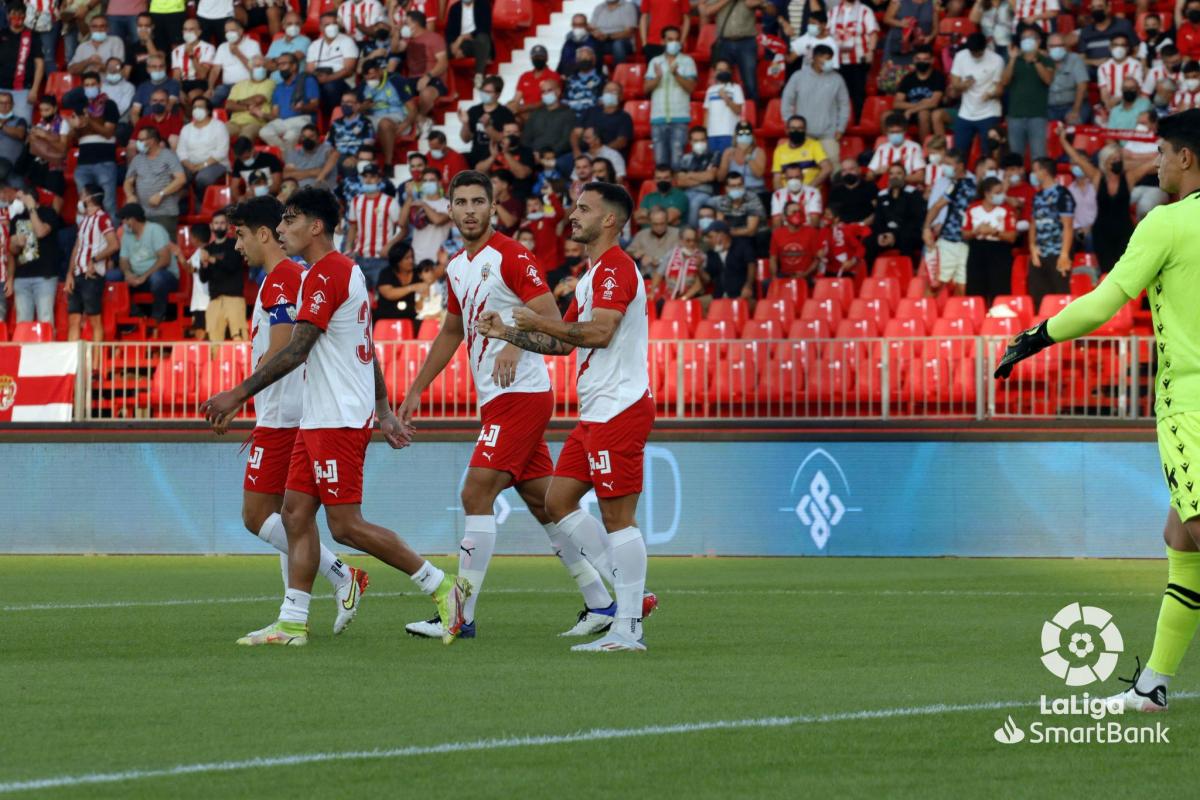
(908, 378)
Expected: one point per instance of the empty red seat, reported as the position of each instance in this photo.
(1021, 304)
(794, 289)
(898, 268)
(734, 309)
(969, 308)
(912, 326)
(511, 15)
(690, 312)
(393, 330)
(639, 110)
(632, 78)
(952, 340)
(828, 310)
(33, 332)
(736, 377)
(841, 289)
(716, 329)
(641, 161)
(809, 329)
(928, 384)
(1052, 304)
(773, 124)
(923, 308)
(870, 122)
(918, 287)
(875, 309)
(174, 384)
(1006, 327)
(781, 380)
(881, 288)
(963, 389)
(430, 328)
(1081, 283)
(780, 310)
(762, 329)
(829, 381)
(668, 329)
(196, 353)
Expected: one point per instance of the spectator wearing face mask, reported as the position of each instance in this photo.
(543, 213)
(658, 15)
(48, 143)
(730, 266)
(331, 59)
(795, 190)
(1112, 74)
(119, 90)
(204, 148)
(737, 38)
(1188, 94)
(93, 54)
(808, 38)
(157, 80)
(350, 132)
(666, 196)
(977, 75)
(591, 144)
(233, 62)
(248, 162)
(1027, 76)
(1018, 193)
(293, 43)
(678, 277)
(426, 215)
(583, 86)
(95, 244)
(373, 225)
(1052, 234)
(249, 104)
(400, 288)
(296, 99)
(529, 85)
(224, 271)
(33, 268)
(192, 61)
(670, 78)
(1125, 113)
(483, 122)
(743, 212)
(146, 258)
(21, 61)
(96, 132)
(797, 249)
(990, 229)
(942, 232)
(578, 37)
(611, 122)
(851, 196)
(818, 94)
(697, 173)
(654, 243)
(1094, 40)
(1148, 50)
(899, 214)
(920, 94)
(155, 178)
(446, 161)
(13, 132)
(425, 61)
(313, 163)
(801, 149)
(745, 158)
(897, 149)
(614, 25)
(352, 184)
(1187, 27)
(1067, 97)
(549, 126)
(723, 103)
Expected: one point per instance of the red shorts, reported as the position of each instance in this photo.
(269, 460)
(609, 455)
(327, 463)
(511, 436)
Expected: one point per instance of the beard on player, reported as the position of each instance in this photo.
(472, 222)
(583, 233)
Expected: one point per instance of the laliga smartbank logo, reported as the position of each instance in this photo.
(1080, 646)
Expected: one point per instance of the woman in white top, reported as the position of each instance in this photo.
(995, 20)
(723, 101)
(204, 147)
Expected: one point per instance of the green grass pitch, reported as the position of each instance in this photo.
(127, 665)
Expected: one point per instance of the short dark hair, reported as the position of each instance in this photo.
(472, 177)
(91, 73)
(671, 28)
(94, 190)
(922, 50)
(1046, 164)
(257, 212)
(800, 117)
(318, 204)
(700, 128)
(988, 184)
(201, 232)
(417, 17)
(310, 127)
(1168, 50)
(436, 136)
(1191, 66)
(242, 144)
(615, 196)
(152, 132)
(1012, 160)
(894, 119)
(823, 50)
(1182, 130)
(132, 211)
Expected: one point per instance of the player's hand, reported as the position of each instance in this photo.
(407, 409)
(525, 319)
(504, 373)
(489, 324)
(221, 408)
(397, 434)
(1022, 346)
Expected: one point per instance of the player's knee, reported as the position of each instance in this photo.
(556, 508)
(475, 502)
(253, 519)
(616, 519)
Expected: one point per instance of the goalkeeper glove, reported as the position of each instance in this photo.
(1022, 346)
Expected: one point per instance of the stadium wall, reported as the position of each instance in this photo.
(806, 495)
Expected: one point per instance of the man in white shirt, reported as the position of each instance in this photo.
(331, 59)
(119, 90)
(91, 55)
(817, 33)
(976, 75)
(232, 62)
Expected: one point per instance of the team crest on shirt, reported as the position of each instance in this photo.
(609, 284)
(8, 392)
(532, 272)
(318, 299)
(484, 271)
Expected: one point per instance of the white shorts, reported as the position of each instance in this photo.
(952, 262)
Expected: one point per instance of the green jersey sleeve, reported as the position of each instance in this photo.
(1148, 252)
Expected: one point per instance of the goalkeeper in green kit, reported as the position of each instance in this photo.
(1163, 258)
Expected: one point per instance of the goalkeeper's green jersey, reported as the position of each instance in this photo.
(1163, 257)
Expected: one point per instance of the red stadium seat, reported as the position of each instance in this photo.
(1052, 304)
(216, 197)
(1005, 327)
(828, 310)
(60, 82)
(773, 125)
(809, 329)
(953, 340)
(969, 308)
(852, 147)
(1121, 323)
(641, 162)
(1021, 304)
(918, 287)
(33, 332)
(929, 383)
(430, 328)
(781, 379)
(794, 289)
(704, 43)
(908, 327)
(872, 308)
(669, 330)
(781, 311)
(871, 120)
(393, 330)
(690, 312)
(1081, 283)
(840, 289)
(887, 289)
(632, 79)
(762, 329)
(923, 308)
(829, 381)
(716, 329)
(639, 110)
(512, 15)
(174, 384)
(727, 308)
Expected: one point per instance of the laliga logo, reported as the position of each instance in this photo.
(1080, 644)
(821, 508)
(317, 299)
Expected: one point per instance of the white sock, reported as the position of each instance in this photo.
(428, 578)
(1149, 679)
(589, 537)
(474, 554)
(273, 533)
(595, 595)
(295, 606)
(629, 579)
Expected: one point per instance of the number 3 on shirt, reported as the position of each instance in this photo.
(365, 351)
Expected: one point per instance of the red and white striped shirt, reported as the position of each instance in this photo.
(851, 23)
(1154, 75)
(5, 258)
(40, 14)
(359, 14)
(908, 155)
(809, 198)
(1027, 9)
(1111, 75)
(377, 216)
(933, 172)
(1000, 217)
(186, 62)
(90, 241)
(1184, 100)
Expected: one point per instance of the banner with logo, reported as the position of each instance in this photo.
(1069, 499)
(37, 382)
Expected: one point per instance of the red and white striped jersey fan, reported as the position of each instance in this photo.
(935, 171)
(1154, 76)
(1001, 218)
(908, 155)
(1110, 75)
(377, 216)
(354, 16)
(851, 23)
(1184, 100)
(90, 240)
(187, 62)
(1028, 9)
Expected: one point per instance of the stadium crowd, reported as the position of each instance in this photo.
(810, 135)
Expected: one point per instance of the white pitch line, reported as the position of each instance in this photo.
(595, 735)
(205, 601)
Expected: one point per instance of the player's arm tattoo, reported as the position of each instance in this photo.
(537, 342)
(304, 337)
(382, 406)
